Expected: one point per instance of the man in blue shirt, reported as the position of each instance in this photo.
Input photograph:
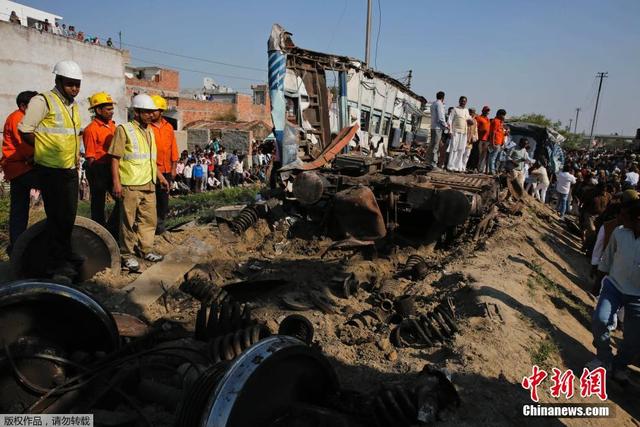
(198, 176)
(438, 126)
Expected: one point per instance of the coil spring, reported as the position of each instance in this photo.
(395, 406)
(297, 326)
(427, 329)
(366, 319)
(192, 406)
(247, 217)
(216, 319)
(204, 290)
(229, 346)
(416, 267)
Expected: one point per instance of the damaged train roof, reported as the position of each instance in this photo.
(281, 40)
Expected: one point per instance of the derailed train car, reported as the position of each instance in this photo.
(337, 122)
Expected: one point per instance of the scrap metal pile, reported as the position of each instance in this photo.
(366, 198)
(63, 352)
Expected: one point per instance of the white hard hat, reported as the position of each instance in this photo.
(144, 102)
(68, 69)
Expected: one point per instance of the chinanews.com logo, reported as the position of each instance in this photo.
(563, 384)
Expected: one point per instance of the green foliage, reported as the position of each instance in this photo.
(538, 119)
(574, 141)
(192, 206)
(541, 356)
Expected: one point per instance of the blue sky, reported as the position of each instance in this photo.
(525, 56)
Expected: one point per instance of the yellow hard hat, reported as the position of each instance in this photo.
(160, 102)
(99, 99)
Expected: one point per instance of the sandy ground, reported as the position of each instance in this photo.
(529, 267)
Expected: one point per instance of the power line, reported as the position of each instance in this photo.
(195, 58)
(375, 61)
(197, 71)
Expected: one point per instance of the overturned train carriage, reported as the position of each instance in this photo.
(421, 203)
(337, 123)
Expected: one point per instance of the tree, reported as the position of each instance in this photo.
(574, 141)
(538, 119)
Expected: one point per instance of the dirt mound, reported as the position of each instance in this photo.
(519, 295)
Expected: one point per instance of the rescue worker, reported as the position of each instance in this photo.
(97, 138)
(167, 158)
(17, 164)
(52, 125)
(134, 170)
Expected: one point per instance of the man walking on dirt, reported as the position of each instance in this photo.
(620, 266)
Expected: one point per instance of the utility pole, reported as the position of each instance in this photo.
(575, 129)
(367, 45)
(601, 76)
(569, 127)
(120, 38)
(409, 76)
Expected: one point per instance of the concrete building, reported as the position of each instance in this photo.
(29, 16)
(27, 57)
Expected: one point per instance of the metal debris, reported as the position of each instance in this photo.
(245, 220)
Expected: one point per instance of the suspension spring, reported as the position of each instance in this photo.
(415, 268)
(297, 326)
(204, 290)
(366, 319)
(219, 319)
(427, 329)
(247, 217)
(230, 346)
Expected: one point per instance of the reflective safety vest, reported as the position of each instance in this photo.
(57, 144)
(138, 164)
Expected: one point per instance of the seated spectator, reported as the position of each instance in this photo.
(65, 32)
(47, 26)
(72, 32)
(57, 29)
(109, 42)
(212, 182)
(80, 36)
(13, 18)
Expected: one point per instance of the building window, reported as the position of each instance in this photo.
(375, 121)
(364, 120)
(385, 126)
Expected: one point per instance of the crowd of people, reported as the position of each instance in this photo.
(212, 167)
(61, 29)
(48, 150)
(602, 191)
(135, 162)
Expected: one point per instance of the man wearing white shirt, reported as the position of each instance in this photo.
(563, 186)
(632, 176)
(459, 120)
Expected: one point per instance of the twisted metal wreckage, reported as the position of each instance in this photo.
(340, 144)
(62, 351)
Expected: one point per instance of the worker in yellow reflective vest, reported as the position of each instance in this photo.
(134, 169)
(52, 125)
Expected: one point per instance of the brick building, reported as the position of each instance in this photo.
(185, 110)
